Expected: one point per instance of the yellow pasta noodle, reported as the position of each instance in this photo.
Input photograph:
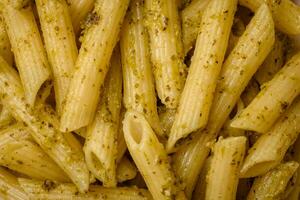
(272, 184)
(91, 66)
(162, 20)
(197, 95)
(150, 156)
(102, 134)
(271, 147)
(50, 139)
(139, 91)
(60, 44)
(28, 48)
(274, 98)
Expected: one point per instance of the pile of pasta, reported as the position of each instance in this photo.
(149, 99)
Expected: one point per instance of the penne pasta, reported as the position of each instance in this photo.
(19, 153)
(50, 139)
(26, 42)
(272, 184)
(285, 14)
(5, 47)
(273, 62)
(191, 22)
(125, 170)
(200, 189)
(150, 156)
(60, 44)
(294, 195)
(274, 98)
(162, 21)
(222, 178)
(235, 75)
(92, 64)
(9, 187)
(79, 10)
(100, 147)
(197, 95)
(139, 91)
(269, 150)
(61, 191)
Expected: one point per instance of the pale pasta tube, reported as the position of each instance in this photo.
(269, 150)
(79, 10)
(100, 147)
(5, 47)
(19, 153)
(125, 170)
(197, 95)
(223, 175)
(139, 91)
(200, 189)
(274, 98)
(92, 64)
(189, 160)
(28, 48)
(60, 44)
(164, 29)
(285, 14)
(9, 187)
(149, 156)
(61, 191)
(294, 195)
(272, 184)
(50, 139)
(273, 62)
(191, 22)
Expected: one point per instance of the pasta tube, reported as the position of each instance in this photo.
(222, 178)
(200, 189)
(79, 10)
(150, 156)
(272, 185)
(5, 47)
(191, 22)
(125, 170)
(274, 98)
(236, 73)
(19, 153)
(139, 91)
(273, 62)
(294, 195)
(61, 191)
(269, 150)
(60, 44)
(164, 29)
(100, 147)
(122, 147)
(92, 64)
(28, 48)
(285, 14)
(50, 139)
(9, 187)
(166, 119)
(197, 95)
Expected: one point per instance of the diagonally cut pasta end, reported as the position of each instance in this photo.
(252, 169)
